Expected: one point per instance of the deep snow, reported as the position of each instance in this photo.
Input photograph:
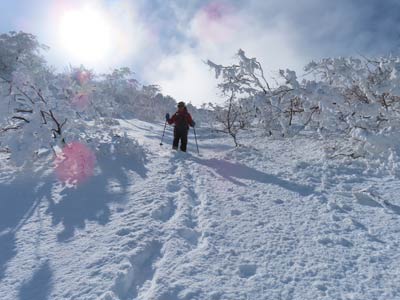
(275, 220)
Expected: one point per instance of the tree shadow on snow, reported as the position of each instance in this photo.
(90, 200)
(235, 171)
(7, 251)
(18, 202)
(39, 286)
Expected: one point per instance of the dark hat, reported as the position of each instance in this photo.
(181, 104)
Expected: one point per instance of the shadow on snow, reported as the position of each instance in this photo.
(89, 201)
(39, 286)
(236, 171)
(18, 202)
(20, 199)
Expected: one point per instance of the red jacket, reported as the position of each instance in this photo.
(181, 118)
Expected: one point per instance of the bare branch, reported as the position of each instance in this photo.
(20, 118)
(19, 110)
(10, 128)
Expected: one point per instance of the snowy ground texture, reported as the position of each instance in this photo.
(276, 220)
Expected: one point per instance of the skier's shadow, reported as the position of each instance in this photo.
(235, 171)
(90, 200)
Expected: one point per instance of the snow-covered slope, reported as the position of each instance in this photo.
(276, 220)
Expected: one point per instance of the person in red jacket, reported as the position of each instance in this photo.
(181, 120)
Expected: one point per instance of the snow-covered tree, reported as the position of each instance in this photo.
(43, 110)
(253, 99)
(238, 83)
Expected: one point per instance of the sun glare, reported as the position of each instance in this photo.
(85, 35)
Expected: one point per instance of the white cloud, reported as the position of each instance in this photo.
(218, 37)
(186, 78)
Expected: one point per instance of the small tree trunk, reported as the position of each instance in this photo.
(234, 139)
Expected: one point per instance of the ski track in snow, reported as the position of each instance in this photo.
(276, 222)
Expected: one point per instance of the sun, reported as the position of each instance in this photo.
(85, 35)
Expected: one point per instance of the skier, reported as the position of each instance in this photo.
(182, 120)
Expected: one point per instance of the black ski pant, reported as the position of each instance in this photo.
(182, 135)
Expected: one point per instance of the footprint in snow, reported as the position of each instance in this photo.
(340, 242)
(235, 212)
(139, 269)
(190, 235)
(247, 270)
(173, 187)
(123, 232)
(320, 286)
(164, 212)
(392, 207)
(366, 199)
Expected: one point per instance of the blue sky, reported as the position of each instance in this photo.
(165, 42)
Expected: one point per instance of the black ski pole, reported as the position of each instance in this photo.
(195, 137)
(165, 126)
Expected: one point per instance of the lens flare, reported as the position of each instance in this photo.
(75, 164)
(215, 11)
(215, 22)
(82, 77)
(85, 34)
(81, 101)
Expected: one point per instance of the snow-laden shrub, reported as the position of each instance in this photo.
(122, 146)
(76, 162)
(364, 103)
(254, 100)
(350, 98)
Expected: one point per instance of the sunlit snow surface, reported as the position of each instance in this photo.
(277, 220)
